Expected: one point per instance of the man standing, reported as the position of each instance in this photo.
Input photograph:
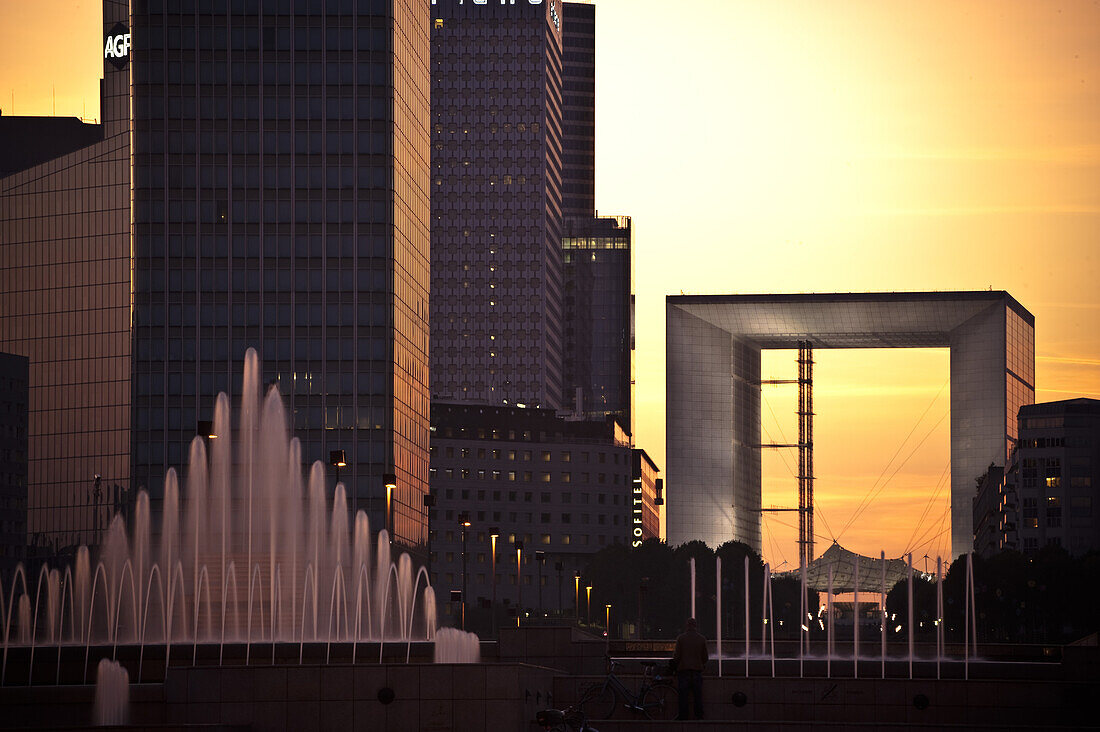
(689, 660)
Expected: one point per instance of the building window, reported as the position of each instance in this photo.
(544, 539)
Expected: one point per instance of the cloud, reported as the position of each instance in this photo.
(1070, 360)
(983, 210)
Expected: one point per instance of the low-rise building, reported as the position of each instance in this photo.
(558, 488)
(1050, 492)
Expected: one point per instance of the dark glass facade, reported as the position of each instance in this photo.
(14, 400)
(263, 182)
(65, 306)
(578, 168)
(496, 203)
(281, 203)
(599, 318)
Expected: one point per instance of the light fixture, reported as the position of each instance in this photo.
(206, 428)
(337, 459)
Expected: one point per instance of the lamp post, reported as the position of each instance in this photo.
(588, 603)
(519, 579)
(577, 596)
(337, 459)
(390, 481)
(464, 520)
(607, 625)
(494, 534)
(540, 557)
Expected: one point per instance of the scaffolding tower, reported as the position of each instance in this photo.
(805, 447)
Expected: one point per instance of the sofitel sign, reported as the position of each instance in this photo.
(116, 47)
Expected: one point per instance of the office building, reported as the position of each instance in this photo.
(563, 487)
(599, 318)
(713, 421)
(648, 489)
(994, 511)
(1058, 479)
(496, 203)
(268, 169)
(65, 275)
(578, 157)
(14, 390)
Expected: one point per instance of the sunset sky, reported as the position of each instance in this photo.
(802, 146)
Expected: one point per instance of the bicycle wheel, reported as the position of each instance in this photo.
(660, 702)
(600, 702)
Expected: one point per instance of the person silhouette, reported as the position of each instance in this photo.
(689, 660)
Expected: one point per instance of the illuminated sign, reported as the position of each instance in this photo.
(637, 532)
(116, 47)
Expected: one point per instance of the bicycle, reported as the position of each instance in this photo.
(656, 699)
(570, 719)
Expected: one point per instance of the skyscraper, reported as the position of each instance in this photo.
(279, 200)
(599, 318)
(496, 203)
(578, 170)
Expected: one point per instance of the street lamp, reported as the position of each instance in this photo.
(588, 603)
(464, 520)
(494, 534)
(577, 595)
(390, 481)
(540, 557)
(337, 459)
(607, 620)
(519, 578)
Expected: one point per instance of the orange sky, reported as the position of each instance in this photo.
(803, 146)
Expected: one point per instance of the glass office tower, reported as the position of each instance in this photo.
(263, 182)
(496, 203)
(281, 202)
(599, 318)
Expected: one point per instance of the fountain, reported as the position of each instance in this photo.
(112, 695)
(457, 646)
(247, 551)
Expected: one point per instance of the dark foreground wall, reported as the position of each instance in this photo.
(394, 698)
